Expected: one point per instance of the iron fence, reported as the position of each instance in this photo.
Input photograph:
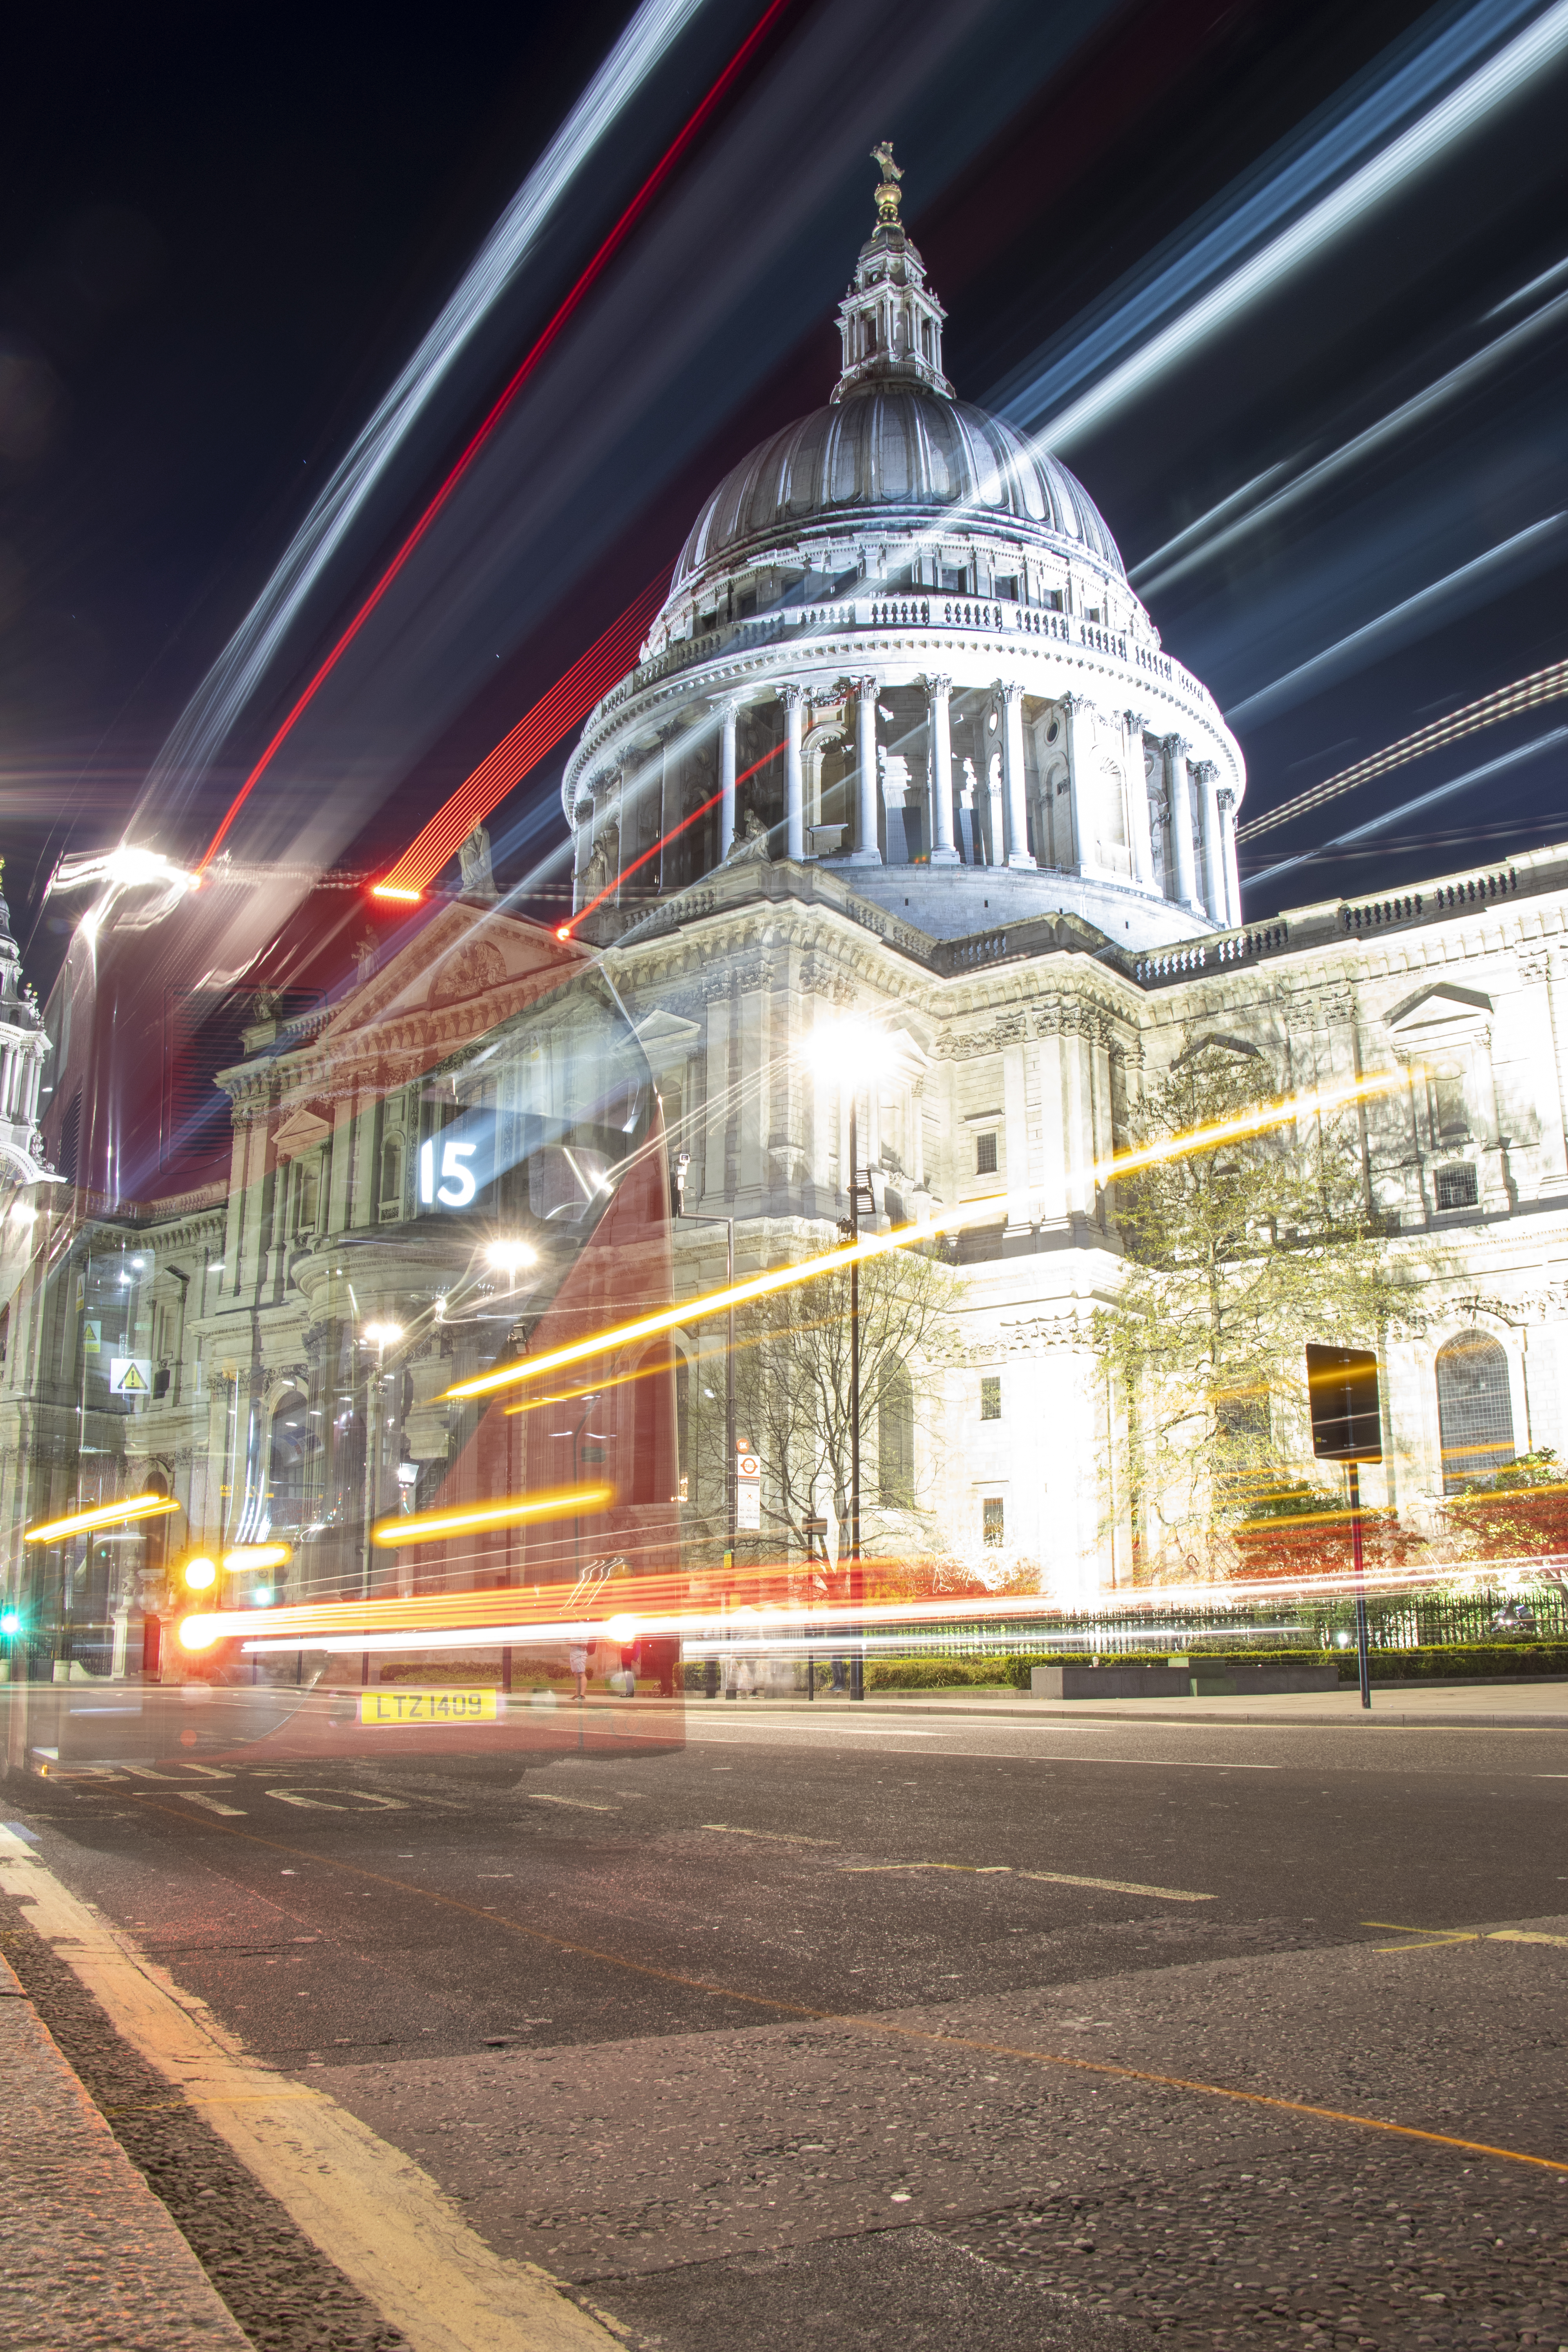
(1395, 1622)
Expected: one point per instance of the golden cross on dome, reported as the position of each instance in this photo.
(888, 193)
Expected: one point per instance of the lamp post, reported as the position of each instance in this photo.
(682, 1165)
(854, 1050)
(380, 1335)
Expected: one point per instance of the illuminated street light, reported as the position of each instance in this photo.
(383, 1335)
(510, 1257)
(200, 1575)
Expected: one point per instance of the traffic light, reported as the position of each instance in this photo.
(10, 1622)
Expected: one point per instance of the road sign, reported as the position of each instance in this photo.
(1341, 1388)
(131, 1376)
(91, 1335)
(748, 1491)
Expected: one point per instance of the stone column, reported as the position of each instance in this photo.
(939, 709)
(1227, 803)
(867, 851)
(1181, 793)
(726, 780)
(1010, 695)
(1138, 802)
(793, 700)
(1207, 776)
(1083, 789)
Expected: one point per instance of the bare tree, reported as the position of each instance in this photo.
(793, 1402)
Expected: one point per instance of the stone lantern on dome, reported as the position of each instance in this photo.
(900, 643)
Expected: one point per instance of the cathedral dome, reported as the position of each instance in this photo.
(893, 456)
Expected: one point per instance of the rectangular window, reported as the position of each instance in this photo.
(991, 1396)
(1448, 1114)
(954, 581)
(1052, 600)
(1007, 584)
(985, 1154)
(991, 1520)
(1457, 1186)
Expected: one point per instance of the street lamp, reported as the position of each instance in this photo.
(853, 1051)
(682, 1166)
(379, 1336)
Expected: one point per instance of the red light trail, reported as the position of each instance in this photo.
(531, 360)
(538, 731)
(566, 929)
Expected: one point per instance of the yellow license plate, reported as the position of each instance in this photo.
(429, 1706)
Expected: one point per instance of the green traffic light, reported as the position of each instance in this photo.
(10, 1622)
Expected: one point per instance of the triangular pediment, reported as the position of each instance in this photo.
(1444, 1013)
(463, 966)
(301, 1131)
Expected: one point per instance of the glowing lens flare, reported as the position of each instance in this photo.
(200, 1575)
(111, 1514)
(978, 1212)
(434, 1527)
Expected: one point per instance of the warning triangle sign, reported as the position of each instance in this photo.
(133, 1381)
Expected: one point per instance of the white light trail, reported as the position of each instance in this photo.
(240, 669)
(1220, 528)
(1464, 110)
(1526, 552)
(1517, 758)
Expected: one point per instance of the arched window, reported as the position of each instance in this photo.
(1475, 1417)
(895, 1439)
(290, 1468)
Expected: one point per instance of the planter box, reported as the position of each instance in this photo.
(1109, 1682)
(1178, 1682)
(1246, 1682)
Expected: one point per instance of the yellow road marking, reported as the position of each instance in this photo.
(858, 2019)
(578, 1804)
(1431, 1936)
(1049, 1877)
(773, 1837)
(367, 2205)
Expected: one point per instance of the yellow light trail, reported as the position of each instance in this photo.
(109, 1515)
(433, 1527)
(973, 1213)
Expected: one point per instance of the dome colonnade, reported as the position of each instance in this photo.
(900, 640)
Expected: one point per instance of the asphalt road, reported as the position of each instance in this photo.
(697, 2026)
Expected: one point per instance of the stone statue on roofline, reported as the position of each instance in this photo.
(474, 857)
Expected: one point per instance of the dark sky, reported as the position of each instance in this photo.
(224, 231)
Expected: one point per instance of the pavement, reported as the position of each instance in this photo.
(956, 2022)
(92, 2257)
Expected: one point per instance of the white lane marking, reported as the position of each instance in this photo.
(367, 2205)
(1005, 1870)
(1154, 1763)
(321, 1805)
(578, 1804)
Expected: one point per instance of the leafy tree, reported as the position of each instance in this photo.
(792, 1398)
(1236, 1255)
(1522, 1511)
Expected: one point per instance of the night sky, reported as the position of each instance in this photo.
(223, 235)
